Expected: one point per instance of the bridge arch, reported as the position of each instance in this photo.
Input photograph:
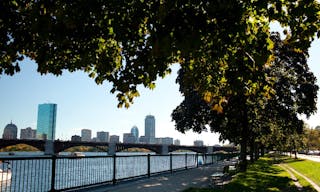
(38, 144)
(60, 146)
(152, 147)
(196, 149)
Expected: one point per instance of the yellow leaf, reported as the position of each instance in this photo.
(217, 108)
(207, 97)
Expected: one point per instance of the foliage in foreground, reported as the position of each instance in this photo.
(130, 43)
(262, 176)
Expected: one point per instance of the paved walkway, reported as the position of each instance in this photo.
(295, 180)
(309, 157)
(314, 185)
(178, 181)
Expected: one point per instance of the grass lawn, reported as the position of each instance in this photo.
(263, 175)
(308, 168)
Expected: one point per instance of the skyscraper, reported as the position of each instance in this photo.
(85, 135)
(10, 131)
(135, 133)
(46, 125)
(150, 129)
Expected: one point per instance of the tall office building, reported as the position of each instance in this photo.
(150, 129)
(28, 133)
(135, 133)
(10, 131)
(85, 135)
(103, 136)
(46, 125)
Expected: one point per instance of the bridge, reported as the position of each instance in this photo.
(54, 147)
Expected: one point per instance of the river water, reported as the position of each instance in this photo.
(35, 174)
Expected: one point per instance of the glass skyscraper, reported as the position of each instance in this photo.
(150, 129)
(46, 125)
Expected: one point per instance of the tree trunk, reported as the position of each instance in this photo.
(262, 151)
(251, 150)
(256, 151)
(243, 155)
(244, 139)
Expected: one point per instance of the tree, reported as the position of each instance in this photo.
(312, 139)
(251, 118)
(133, 42)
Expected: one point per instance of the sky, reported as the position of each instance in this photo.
(82, 104)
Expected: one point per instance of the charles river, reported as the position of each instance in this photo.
(32, 172)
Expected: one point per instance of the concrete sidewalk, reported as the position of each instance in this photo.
(178, 181)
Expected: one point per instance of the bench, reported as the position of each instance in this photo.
(217, 179)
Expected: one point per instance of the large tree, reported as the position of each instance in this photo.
(134, 41)
(250, 118)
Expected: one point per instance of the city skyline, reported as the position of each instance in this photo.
(83, 104)
(101, 136)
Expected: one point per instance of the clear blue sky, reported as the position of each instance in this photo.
(83, 104)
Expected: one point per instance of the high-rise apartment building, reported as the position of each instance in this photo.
(46, 124)
(85, 135)
(114, 139)
(135, 133)
(28, 133)
(103, 136)
(10, 131)
(150, 129)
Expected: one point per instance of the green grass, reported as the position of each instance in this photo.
(308, 168)
(262, 176)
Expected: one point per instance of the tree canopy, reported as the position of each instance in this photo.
(133, 42)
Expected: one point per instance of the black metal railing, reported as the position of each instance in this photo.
(57, 173)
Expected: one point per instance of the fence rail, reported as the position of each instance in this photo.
(57, 173)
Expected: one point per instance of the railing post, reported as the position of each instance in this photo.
(186, 160)
(171, 162)
(114, 180)
(149, 165)
(53, 172)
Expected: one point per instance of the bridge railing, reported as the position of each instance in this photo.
(56, 173)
